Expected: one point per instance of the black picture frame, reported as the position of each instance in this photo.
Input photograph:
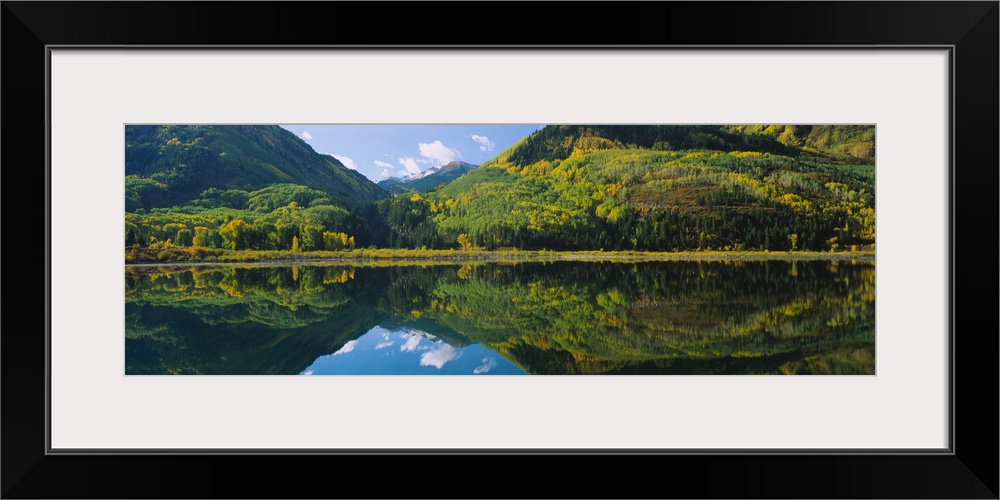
(970, 29)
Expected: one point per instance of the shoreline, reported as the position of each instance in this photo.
(426, 257)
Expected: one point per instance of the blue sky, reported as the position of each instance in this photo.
(380, 151)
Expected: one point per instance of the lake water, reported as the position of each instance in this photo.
(546, 318)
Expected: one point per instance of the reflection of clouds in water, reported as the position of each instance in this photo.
(376, 352)
(348, 347)
(488, 364)
(411, 342)
(439, 356)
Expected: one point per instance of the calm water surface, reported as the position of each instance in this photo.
(650, 318)
(390, 349)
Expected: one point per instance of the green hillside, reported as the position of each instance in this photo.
(842, 142)
(666, 188)
(603, 187)
(167, 165)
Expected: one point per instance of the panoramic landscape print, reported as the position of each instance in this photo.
(499, 249)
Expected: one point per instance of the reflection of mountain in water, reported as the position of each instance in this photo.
(426, 328)
(391, 350)
(232, 320)
(687, 318)
(547, 318)
(181, 344)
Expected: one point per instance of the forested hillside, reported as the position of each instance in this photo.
(844, 142)
(664, 188)
(610, 187)
(167, 165)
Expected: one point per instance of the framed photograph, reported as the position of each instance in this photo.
(713, 253)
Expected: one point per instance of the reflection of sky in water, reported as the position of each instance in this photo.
(409, 352)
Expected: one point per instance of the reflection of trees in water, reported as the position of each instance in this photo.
(280, 297)
(233, 320)
(561, 317)
(688, 317)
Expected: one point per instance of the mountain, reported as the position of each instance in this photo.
(565, 187)
(428, 179)
(169, 164)
(390, 181)
(670, 187)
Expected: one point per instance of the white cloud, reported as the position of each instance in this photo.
(410, 164)
(437, 152)
(349, 163)
(411, 343)
(307, 372)
(348, 347)
(438, 357)
(307, 136)
(383, 345)
(484, 142)
(488, 364)
(386, 167)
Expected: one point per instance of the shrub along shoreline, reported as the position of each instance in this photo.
(138, 255)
